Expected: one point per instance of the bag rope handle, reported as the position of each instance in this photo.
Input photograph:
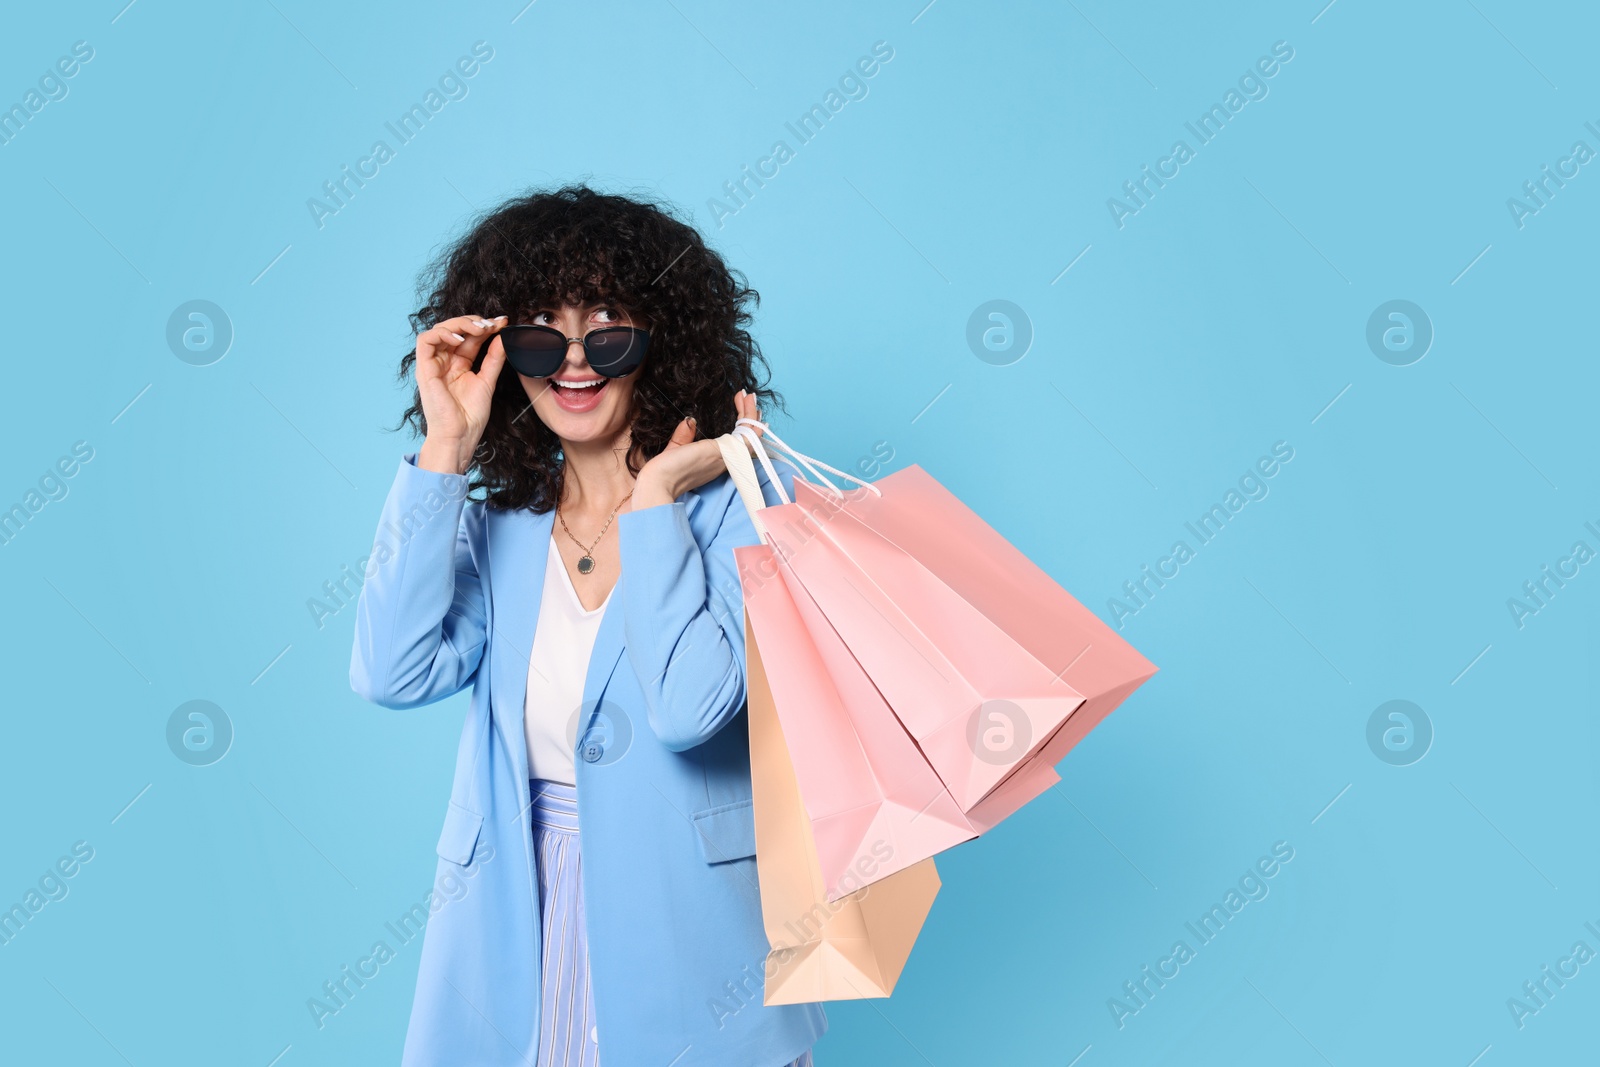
(746, 428)
(746, 434)
(743, 472)
(748, 443)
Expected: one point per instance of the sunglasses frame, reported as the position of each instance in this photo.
(641, 338)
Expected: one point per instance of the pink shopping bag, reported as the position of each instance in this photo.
(930, 523)
(944, 668)
(821, 947)
(874, 804)
(970, 657)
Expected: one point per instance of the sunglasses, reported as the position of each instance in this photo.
(539, 351)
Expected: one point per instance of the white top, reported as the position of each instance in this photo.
(562, 642)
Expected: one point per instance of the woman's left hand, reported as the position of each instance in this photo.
(685, 463)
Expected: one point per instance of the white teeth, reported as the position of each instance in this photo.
(595, 383)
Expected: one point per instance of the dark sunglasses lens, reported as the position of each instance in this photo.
(617, 350)
(534, 351)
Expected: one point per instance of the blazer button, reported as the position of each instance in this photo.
(593, 751)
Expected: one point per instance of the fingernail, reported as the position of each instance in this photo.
(458, 337)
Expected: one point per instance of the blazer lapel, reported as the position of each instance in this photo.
(518, 554)
(607, 650)
(518, 543)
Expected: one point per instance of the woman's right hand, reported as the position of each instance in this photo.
(455, 399)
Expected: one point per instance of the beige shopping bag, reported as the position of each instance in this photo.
(847, 949)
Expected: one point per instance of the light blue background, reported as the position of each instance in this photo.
(1227, 315)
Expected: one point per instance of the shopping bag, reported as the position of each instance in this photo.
(961, 669)
(930, 523)
(874, 804)
(846, 949)
(946, 670)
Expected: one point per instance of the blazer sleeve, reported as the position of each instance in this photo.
(684, 614)
(420, 620)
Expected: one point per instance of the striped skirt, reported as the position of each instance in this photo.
(567, 1032)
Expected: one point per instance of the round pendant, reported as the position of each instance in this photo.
(585, 564)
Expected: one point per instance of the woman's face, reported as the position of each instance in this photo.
(576, 402)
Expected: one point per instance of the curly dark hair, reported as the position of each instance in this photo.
(575, 245)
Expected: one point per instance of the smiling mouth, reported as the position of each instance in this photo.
(578, 394)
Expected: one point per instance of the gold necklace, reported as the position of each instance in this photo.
(586, 561)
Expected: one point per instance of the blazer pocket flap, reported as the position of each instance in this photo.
(726, 832)
(460, 835)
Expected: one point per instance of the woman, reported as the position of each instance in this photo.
(599, 837)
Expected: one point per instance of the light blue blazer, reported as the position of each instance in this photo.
(676, 942)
